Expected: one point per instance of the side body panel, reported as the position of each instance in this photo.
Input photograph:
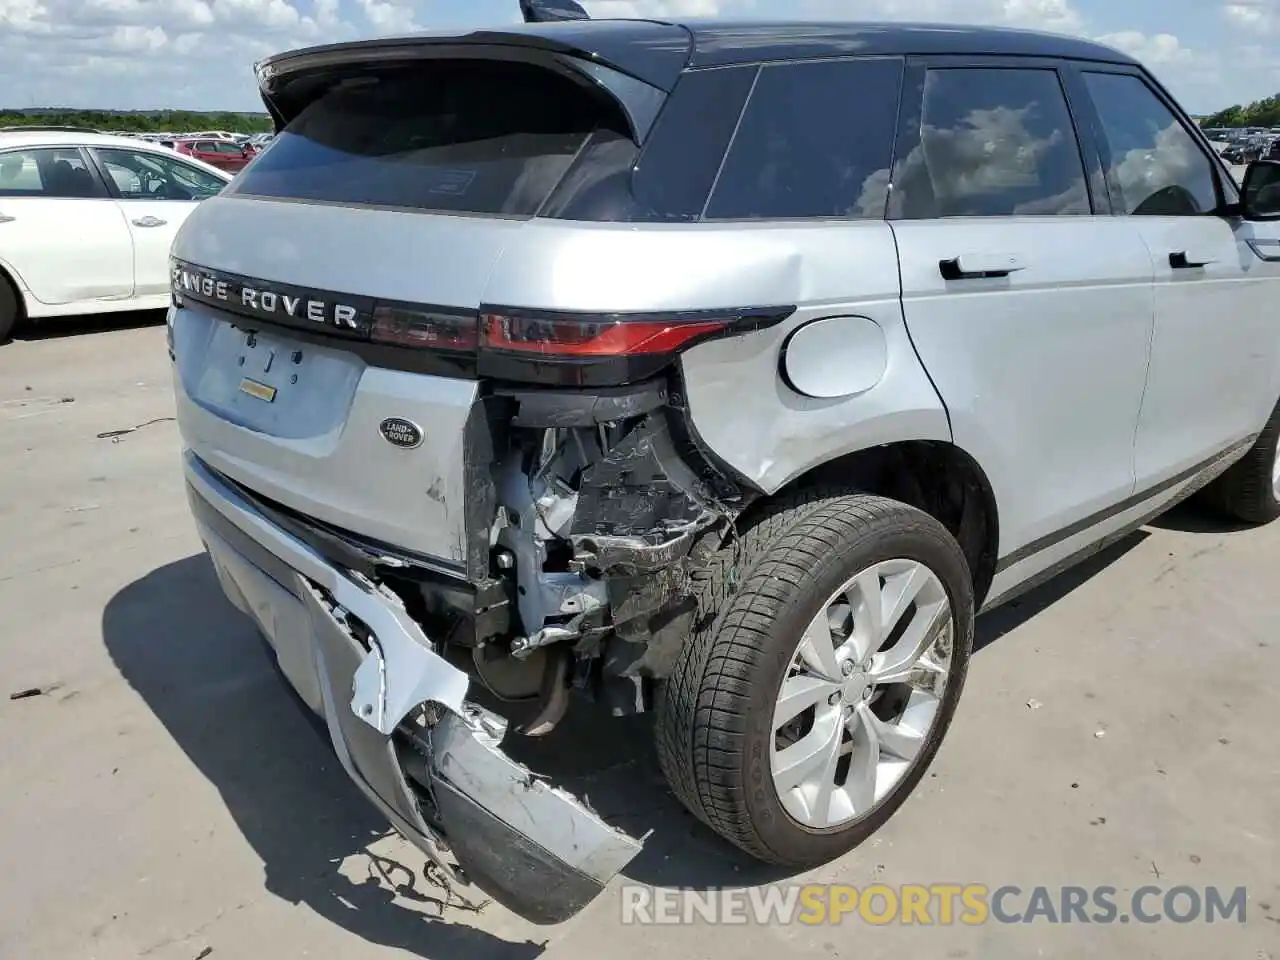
(153, 224)
(67, 250)
(1215, 357)
(1042, 371)
(1216, 347)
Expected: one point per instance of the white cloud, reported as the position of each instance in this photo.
(390, 16)
(602, 9)
(1058, 16)
(199, 53)
(1254, 15)
(1162, 48)
(137, 39)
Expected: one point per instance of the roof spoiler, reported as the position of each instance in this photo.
(548, 11)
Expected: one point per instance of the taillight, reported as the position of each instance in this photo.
(560, 348)
(582, 349)
(602, 337)
(407, 326)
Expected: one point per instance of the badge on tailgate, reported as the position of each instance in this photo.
(260, 390)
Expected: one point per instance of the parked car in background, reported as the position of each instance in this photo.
(223, 154)
(721, 370)
(86, 222)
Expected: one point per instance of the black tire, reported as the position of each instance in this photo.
(1246, 492)
(10, 306)
(756, 595)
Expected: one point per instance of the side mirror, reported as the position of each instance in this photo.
(1260, 194)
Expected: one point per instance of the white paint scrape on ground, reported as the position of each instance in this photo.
(162, 796)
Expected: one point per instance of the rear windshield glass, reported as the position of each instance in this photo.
(465, 136)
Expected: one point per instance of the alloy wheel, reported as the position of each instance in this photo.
(862, 693)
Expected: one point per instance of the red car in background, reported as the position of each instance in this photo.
(222, 154)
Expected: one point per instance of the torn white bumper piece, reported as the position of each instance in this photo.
(471, 809)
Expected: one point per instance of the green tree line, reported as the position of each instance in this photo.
(152, 121)
(1261, 113)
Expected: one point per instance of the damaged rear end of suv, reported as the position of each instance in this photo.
(415, 482)
(488, 399)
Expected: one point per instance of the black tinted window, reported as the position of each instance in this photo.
(53, 172)
(1154, 166)
(816, 140)
(992, 143)
(670, 179)
(468, 136)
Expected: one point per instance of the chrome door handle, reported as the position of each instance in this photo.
(4, 219)
(149, 222)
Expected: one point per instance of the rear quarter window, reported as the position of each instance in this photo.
(468, 136)
(815, 141)
(670, 179)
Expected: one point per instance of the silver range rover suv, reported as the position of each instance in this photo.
(724, 371)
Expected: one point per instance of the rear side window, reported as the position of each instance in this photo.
(468, 136)
(992, 143)
(669, 179)
(55, 172)
(816, 140)
(1154, 165)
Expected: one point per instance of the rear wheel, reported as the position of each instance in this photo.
(1250, 490)
(812, 697)
(9, 307)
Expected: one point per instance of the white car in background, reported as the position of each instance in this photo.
(87, 219)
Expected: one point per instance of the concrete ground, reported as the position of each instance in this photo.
(164, 798)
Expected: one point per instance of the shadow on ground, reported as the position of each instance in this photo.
(202, 670)
(1194, 516)
(993, 625)
(53, 328)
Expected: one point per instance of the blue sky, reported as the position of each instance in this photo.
(199, 53)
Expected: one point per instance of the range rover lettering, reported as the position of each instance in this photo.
(723, 371)
(216, 289)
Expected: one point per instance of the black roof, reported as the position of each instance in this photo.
(719, 43)
(657, 51)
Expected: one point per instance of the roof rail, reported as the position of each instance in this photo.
(47, 128)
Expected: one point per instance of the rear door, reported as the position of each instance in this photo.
(59, 231)
(1216, 347)
(207, 151)
(1032, 313)
(230, 156)
(156, 194)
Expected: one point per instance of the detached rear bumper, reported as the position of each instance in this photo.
(360, 662)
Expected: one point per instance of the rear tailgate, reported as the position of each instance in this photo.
(296, 416)
(326, 298)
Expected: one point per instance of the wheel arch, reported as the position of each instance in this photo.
(935, 476)
(10, 277)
